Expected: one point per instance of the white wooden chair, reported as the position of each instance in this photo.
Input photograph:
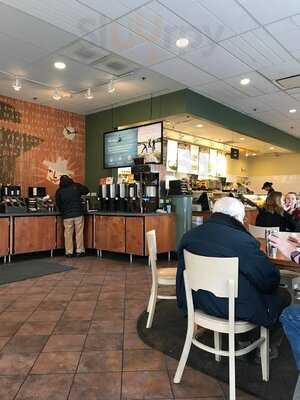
(160, 277)
(220, 277)
(288, 279)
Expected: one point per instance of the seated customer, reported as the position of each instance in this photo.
(291, 207)
(290, 318)
(272, 214)
(260, 300)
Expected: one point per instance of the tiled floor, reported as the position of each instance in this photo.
(73, 336)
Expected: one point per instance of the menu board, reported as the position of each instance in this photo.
(150, 143)
(203, 164)
(172, 148)
(122, 146)
(194, 159)
(184, 158)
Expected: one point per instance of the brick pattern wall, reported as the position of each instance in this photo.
(34, 149)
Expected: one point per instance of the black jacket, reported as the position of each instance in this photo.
(223, 236)
(68, 199)
(285, 221)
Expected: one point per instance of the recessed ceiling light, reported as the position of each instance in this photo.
(89, 95)
(56, 96)
(241, 138)
(245, 81)
(271, 148)
(199, 126)
(59, 65)
(292, 110)
(247, 154)
(254, 154)
(182, 43)
(17, 85)
(111, 87)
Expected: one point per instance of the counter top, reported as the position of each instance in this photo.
(55, 213)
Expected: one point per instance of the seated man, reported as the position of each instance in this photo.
(260, 300)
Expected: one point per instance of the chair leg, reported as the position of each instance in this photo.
(150, 299)
(264, 353)
(152, 304)
(218, 344)
(185, 353)
(232, 390)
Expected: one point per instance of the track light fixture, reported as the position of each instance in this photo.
(17, 85)
(111, 88)
(89, 95)
(56, 96)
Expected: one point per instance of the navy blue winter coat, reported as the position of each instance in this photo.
(223, 236)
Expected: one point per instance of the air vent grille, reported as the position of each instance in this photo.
(290, 82)
(115, 65)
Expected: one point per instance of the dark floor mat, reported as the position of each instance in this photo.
(168, 335)
(22, 270)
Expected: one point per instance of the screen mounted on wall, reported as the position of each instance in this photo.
(122, 146)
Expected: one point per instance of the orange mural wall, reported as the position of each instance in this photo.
(38, 144)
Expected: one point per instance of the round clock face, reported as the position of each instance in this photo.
(69, 132)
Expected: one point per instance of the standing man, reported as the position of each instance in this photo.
(68, 201)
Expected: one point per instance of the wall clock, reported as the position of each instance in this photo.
(69, 132)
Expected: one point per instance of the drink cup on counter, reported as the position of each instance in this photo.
(271, 250)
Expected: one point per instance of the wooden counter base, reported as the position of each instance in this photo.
(114, 232)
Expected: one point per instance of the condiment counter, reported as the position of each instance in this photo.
(103, 231)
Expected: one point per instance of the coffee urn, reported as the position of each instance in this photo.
(103, 197)
(112, 199)
(122, 197)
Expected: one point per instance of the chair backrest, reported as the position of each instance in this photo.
(259, 232)
(152, 250)
(212, 273)
(216, 275)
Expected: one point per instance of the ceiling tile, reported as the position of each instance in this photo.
(287, 32)
(258, 84)
(147, 54)
(218, 21)
(159, 25)
(281, 70)
(257, 49)
(267, 11)
(30, 29)
(220, 91)
(114, 37)
(279, 101)
(217, 61)
(18, 54)
(113, 9)
(75, 77)
(68, 15)
(84, 52)
(182, 72)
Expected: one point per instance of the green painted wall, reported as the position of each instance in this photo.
(183, 101)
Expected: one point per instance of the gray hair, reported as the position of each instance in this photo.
(230, 206)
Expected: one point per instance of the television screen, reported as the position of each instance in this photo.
(122, 146)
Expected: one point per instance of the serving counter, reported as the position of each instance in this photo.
(250, 215)
(115, 232)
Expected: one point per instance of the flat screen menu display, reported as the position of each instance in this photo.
(122, 146)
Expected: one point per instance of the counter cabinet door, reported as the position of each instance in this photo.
(60, 240)
(34, 234)
(4, 236)
(135, 236)
(165, 227)
(110, 233)
(89, 232)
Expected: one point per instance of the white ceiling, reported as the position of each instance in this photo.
(229, 40)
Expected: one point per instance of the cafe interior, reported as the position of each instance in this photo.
(181, 119)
